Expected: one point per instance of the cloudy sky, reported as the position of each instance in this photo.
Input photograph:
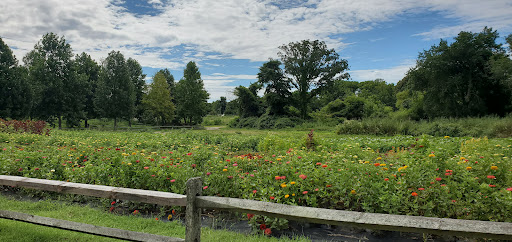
(230, 39)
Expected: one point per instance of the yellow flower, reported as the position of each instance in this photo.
(469, 168)
(129, 164)
(293, 183)
(494, 168)
(462, 158)
(169, 217)
(278, 159)
(353, 192)
(134, 153)
(293, 194)
(379, 158)
(283, 185)
(224, 169)
(286, 196)
(446, 137)
(431, 155)
(382, 164)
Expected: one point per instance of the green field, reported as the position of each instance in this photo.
(461, 177)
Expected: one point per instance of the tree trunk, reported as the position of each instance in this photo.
(86, 125)
(60, 122)
(130, 122)
(115, 123)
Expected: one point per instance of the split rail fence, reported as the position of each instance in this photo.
(194, 203)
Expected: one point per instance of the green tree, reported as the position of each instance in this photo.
(277, 87)
(191, 97)
(89, 70)
(138, 79)
(222, 105)
(311, 67)
(49, 66)
(457, 79)
(15, 92)
(157, 102)
(170, 80)
(115, 95)
(378, 91)
(247, 102)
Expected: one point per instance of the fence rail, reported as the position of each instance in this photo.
(195, 202)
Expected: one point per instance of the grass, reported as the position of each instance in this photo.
(20, 231)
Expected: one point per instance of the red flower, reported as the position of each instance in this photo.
(230, 177)
(305, 192)
(208, 173)
(439, 179)
(111, 209)
(113, 202)
(189, 153)
(324, 166)
(193, 165)
(490, 185)
(386, 179)
(263, 226)
(421, 189)
(254, 191)
(509, 189)
(145, 167)
(376, 164)
(318, 163)
(302, 176)
(491, 177)
(414, 194)
(447, 174)
(267, 231)
(173, 180)
(156, 219)
(272, 198)
(205, 187)
(135, 212)
(250, 215)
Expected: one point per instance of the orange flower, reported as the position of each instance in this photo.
(414, 194)
(494, 168)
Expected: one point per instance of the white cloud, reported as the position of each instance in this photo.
(220, 84)
(390, 75)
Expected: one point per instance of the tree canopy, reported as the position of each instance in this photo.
(191, 97)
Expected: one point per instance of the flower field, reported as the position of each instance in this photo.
(463, 178)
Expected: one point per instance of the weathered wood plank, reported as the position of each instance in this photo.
(193, 212)
(417, 224)
(85, 228)
(137, 195)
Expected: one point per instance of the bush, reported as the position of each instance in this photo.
(27, 126)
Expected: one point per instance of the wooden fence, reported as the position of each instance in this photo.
(194, 202)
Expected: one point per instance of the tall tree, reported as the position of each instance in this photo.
(191, 97)
(15, 92)
(247, 102)
(158, 100)
(115, 95)
(89, 70)
(49, 66)
(170, 80)
(277, 87)
(222, 105)
(138, 79)
(457, 78)
(311, 67)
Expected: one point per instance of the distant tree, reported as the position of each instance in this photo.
(277, 87)
(138, 79)
(49, 67)
(115, 95)
(457, 78)
(378, 91)
(247, 102)
(222, 105)
(89, 69)
(158, 100)
(191, 97)
(15, 92)
(311, 67)
(338, 89)
(170, 80)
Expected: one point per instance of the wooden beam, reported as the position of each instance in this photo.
(85, 228)
(137, 195)
(416, 224)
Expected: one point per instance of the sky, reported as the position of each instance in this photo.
(230, 39)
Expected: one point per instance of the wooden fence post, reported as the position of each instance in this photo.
(193, 212)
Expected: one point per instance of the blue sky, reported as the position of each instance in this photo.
(231, 39)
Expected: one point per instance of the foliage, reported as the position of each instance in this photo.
(311, 66)
(54, 83)
(15, 92)
(157, 101)
(26, 126)
(138, 79)
(277, 87)
(191, 97)
(247, 102)
(457, 80)
(86, 66)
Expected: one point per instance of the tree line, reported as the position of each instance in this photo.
(471, 77)
(53, 85)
